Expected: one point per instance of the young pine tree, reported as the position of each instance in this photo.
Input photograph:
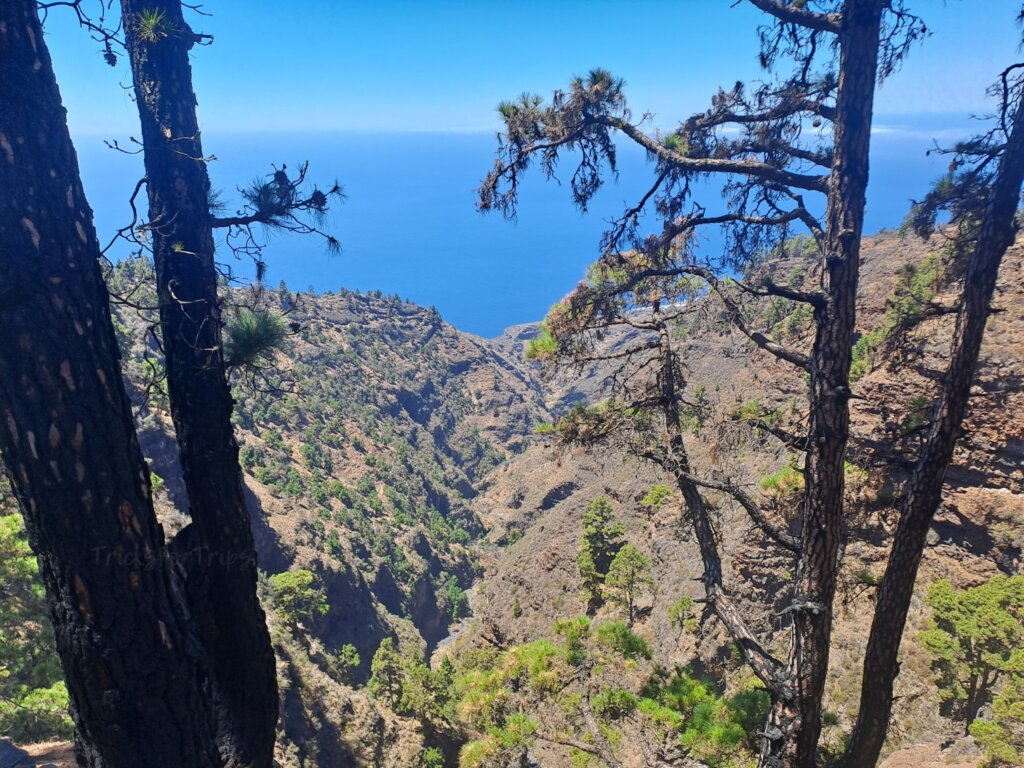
(628, 576)
(601, 540)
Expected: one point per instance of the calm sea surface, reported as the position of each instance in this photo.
(409, 226)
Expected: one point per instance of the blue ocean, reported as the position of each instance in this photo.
(409, 225)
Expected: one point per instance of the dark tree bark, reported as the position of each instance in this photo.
(677, 462)
(996, 235)
(768, 179)
(134, 667)
(217, 547)
(795, 724)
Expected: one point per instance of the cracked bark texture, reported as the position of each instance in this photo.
(134, 668)
(794, 725)
(998, 229)
(216, 548)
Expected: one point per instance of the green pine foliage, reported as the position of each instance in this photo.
(455, 599)
(152, 25)
(1002, 736)
(33, 699)
(508, 699)
(681, 615)
(405, 684)
(346, 662)
(600, 542)
(296, 598)
(628, 577)
(714, 729)
(386, 674)
(253, 338)
(621, 639)
(542, 348)
(975, 637)
(655, 497)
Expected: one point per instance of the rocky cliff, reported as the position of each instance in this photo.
(396, 459)
(533, 504)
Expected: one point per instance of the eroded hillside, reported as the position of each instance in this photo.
(535, 503)
(398, 462)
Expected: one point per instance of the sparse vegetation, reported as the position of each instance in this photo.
(914, 291)
(656, 497)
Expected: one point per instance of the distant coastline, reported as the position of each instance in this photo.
(409, 225)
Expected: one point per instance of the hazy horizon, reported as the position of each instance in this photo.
(396, 100)
(409, 224)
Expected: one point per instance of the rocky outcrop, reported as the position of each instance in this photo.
(532, 579)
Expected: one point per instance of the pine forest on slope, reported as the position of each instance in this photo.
(756, 508)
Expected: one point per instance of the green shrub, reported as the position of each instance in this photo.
(655, 497)
(974, 637)
(622, 640)
(295, 598)
(786, 481)
(614, 704)
(753, 411)
(431, 757)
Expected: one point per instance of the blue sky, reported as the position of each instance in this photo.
(441, 65)
(396, 99)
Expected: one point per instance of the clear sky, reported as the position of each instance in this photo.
(396, 99)
(442, 65)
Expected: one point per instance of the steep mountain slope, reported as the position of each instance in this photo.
(534, 503)
(362, 453)
(397, 462)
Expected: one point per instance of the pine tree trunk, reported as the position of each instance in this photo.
(132, 662)
(997, 233)
(795, 723)
(697, 513)
(217, 547)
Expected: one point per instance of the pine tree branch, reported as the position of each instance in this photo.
(792, 14)
(718, 117)
(822, 159)
(763, 341)
(814, 298)
(681, 162)
(754, 512)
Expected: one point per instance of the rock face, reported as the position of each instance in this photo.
(397, 461)
(362, 465)
(532, 504)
